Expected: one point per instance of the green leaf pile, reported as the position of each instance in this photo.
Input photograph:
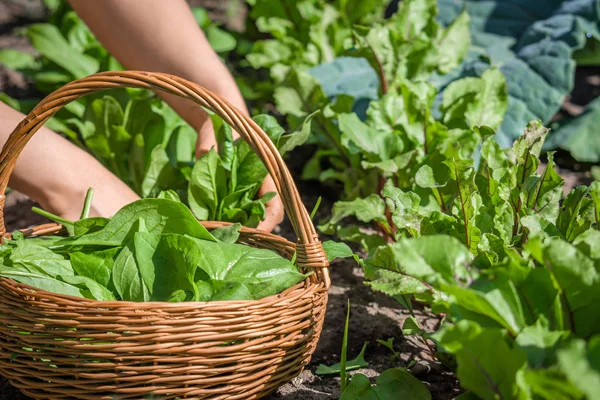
(151, 250)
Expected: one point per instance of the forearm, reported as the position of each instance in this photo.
(56, 173)
(162, 36)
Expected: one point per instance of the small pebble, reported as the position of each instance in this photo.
(421, 368)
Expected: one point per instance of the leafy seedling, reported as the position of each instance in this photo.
(357, 363)
(389, 344)
(343, 371)
(394, 383)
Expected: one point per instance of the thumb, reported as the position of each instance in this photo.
(206, 138)
(274, 208)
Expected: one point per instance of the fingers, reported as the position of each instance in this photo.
(274, 208)
(206, 138)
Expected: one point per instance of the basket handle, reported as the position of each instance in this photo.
(309, 250)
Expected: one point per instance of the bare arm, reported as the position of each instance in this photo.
(162, 36)
(55, 173)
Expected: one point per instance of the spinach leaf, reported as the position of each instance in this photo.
(393, 383)
(38, 259)
(207, 186)
(43, 281)
(152, 267)
(50, 42)
(227, 234)
(159, 215)
(89, 225)
(90, 288)
(254, 273)
(96, 265)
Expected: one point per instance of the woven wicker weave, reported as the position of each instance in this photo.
(61, 347)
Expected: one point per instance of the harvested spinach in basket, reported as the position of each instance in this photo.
(151, 250)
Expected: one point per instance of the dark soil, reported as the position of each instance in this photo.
(373, 315)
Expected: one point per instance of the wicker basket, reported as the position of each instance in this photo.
(61, 347)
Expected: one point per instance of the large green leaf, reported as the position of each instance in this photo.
(351, 76)
(579, 135)
(43, 281)
(392, 383)
(579, 285)
(476, 101)
(38, 259)
(533, 51)
(487, 365)
(577, 212)
(207, 186)
(496, 300)
(221, 41)
(581, 364)
(159, 215)
(17, 60)
(96, 265)
(404, 208)
(152, 266)
(159, 174)
(435, 259)
(371, 208)
(549, 384)
(454, 43)
(359, 137)
(466, 201)
(253, 273)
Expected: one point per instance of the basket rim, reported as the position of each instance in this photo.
(305, 286)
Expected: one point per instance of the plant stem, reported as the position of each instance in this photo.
(343, 376)
(563, 296)
(51, 216)
(464, 212)
(87, 204)
(425, 131)
(520, 201)
(438, 195)
(314, 211)
(539, 191)
(384, 83)
(337, 145)
(388, 233)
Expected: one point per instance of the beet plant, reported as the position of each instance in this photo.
(386, 62)
(510, 264)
